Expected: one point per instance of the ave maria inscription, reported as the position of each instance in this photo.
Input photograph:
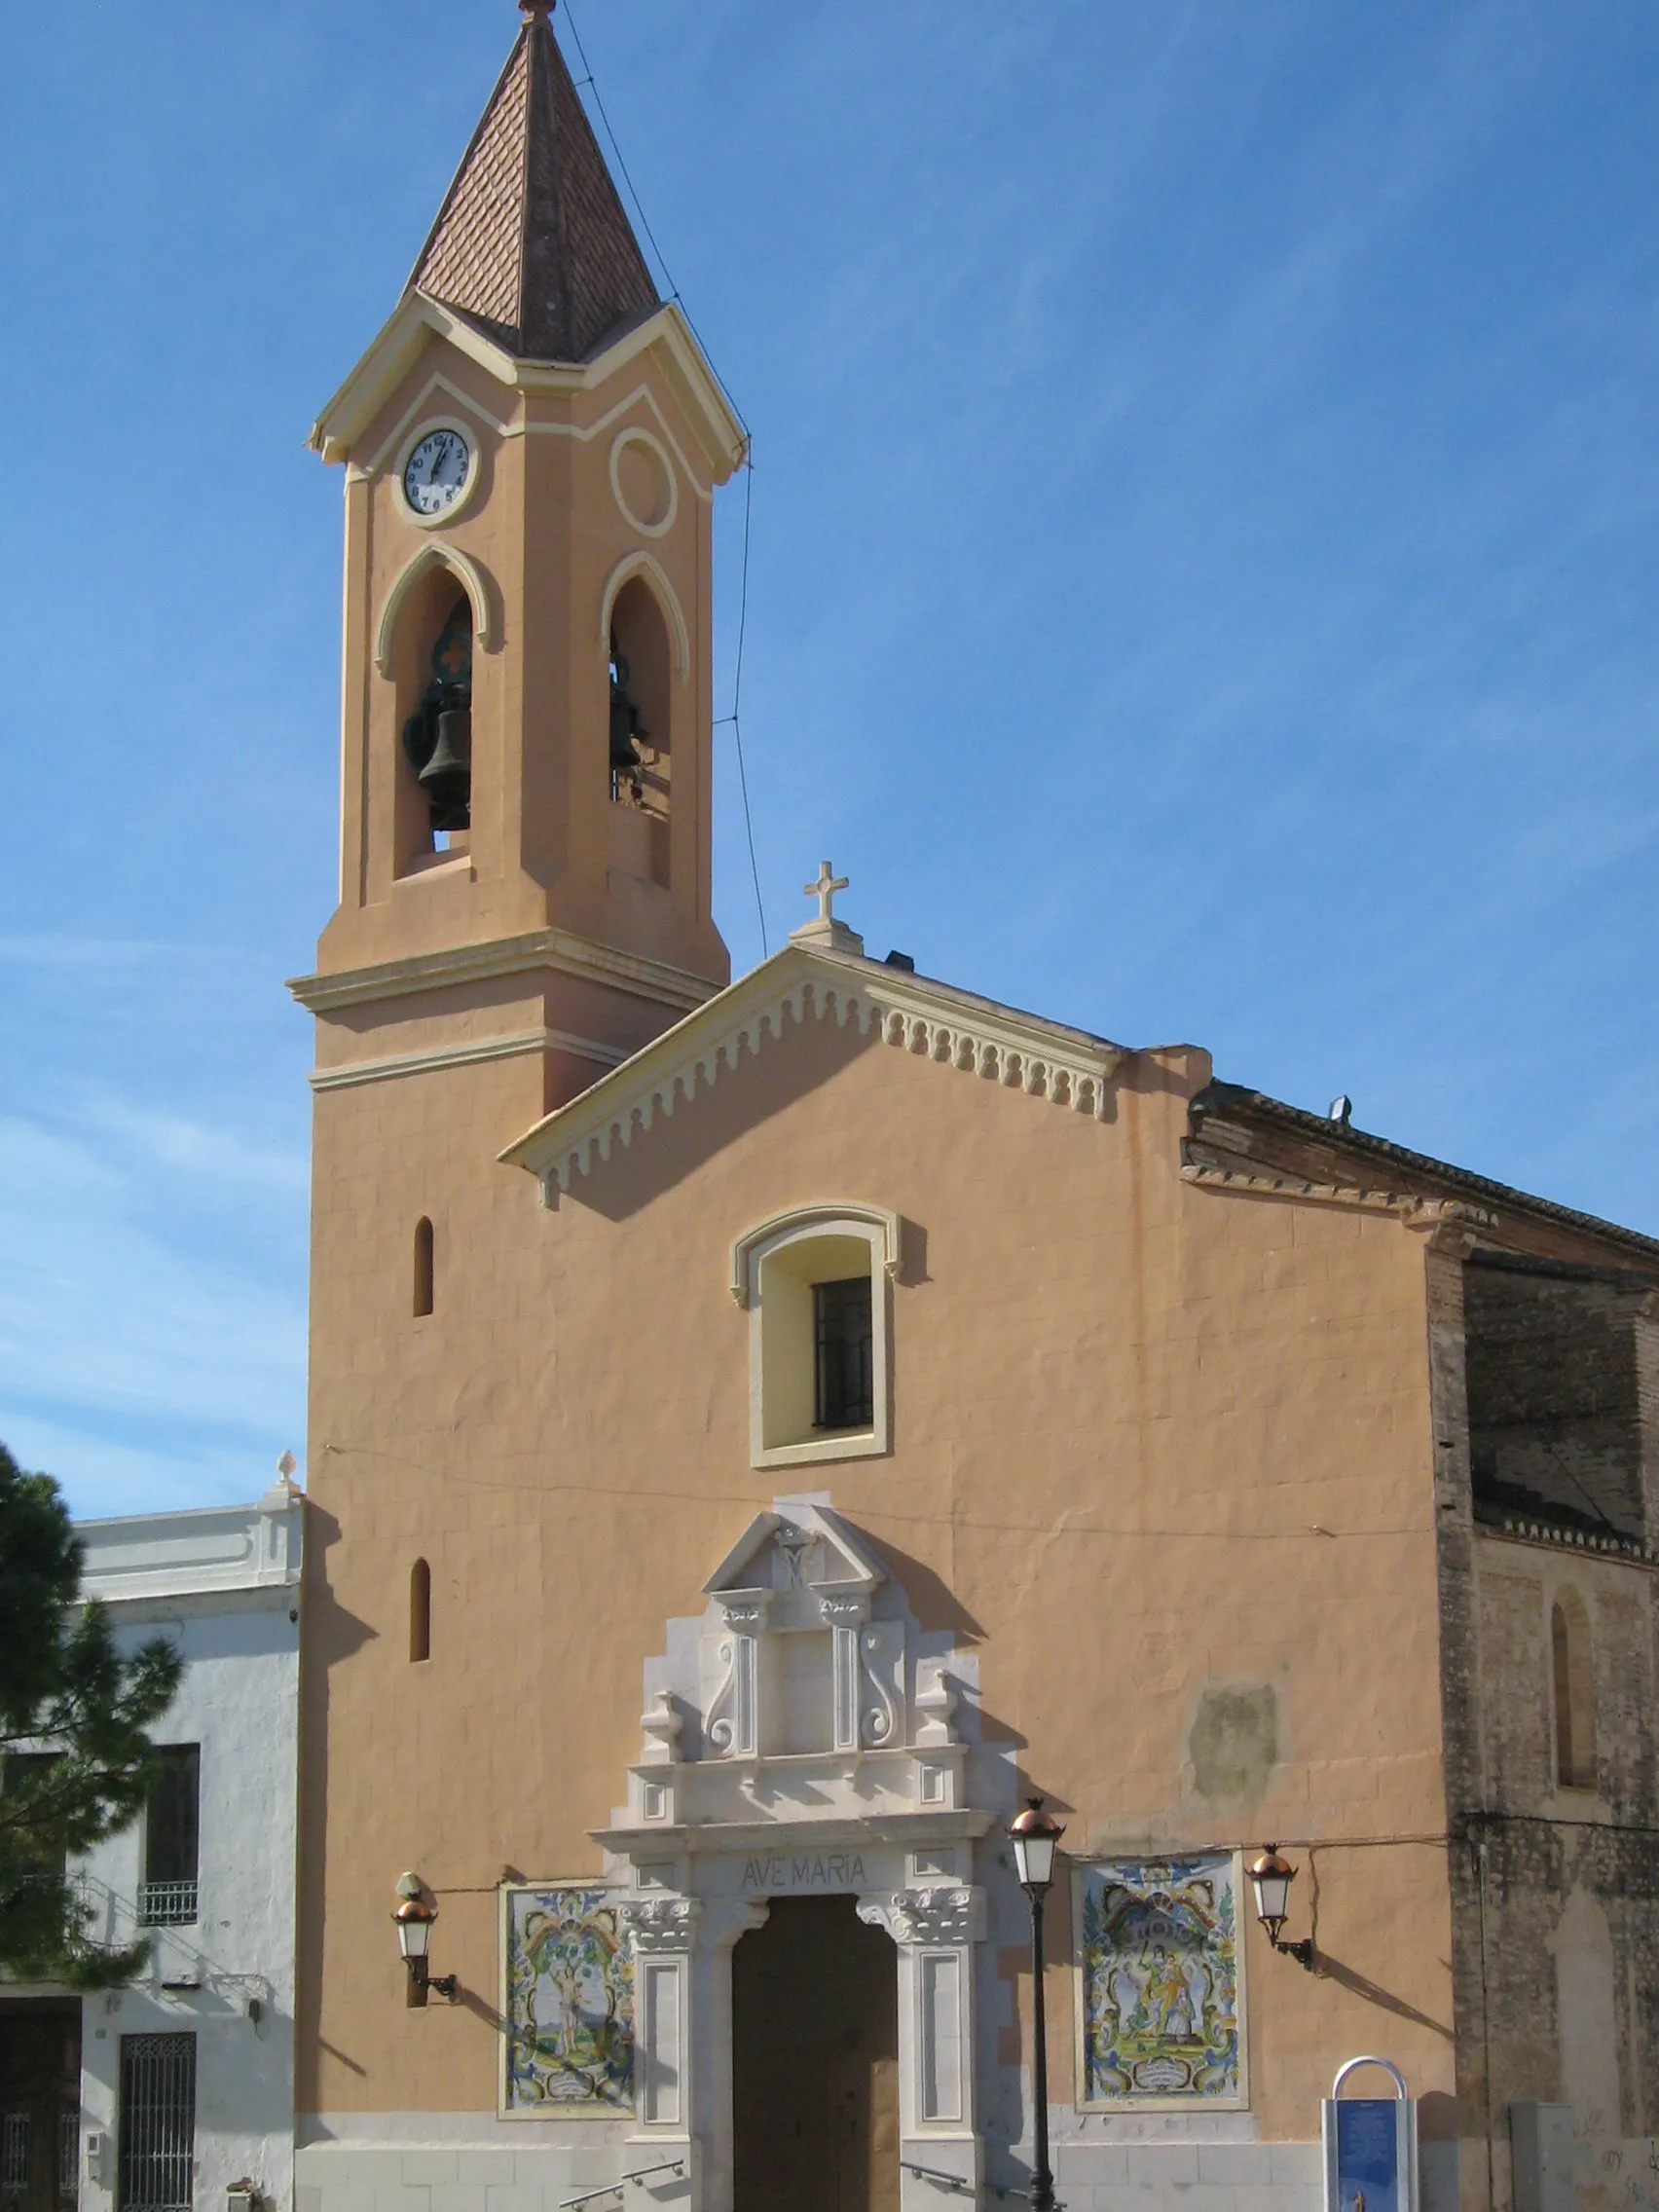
(806, 1871)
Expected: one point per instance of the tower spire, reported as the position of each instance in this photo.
(532, 244)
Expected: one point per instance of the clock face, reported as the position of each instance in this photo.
(434, 476)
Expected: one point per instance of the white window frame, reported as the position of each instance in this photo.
(772, 1274)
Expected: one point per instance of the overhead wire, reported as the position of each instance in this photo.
(589, 82)
(965, 1523)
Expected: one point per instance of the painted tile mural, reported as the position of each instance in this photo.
(1158, 1967)
(570, 2009)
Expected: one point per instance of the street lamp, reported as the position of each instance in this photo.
(1035, 1835)
(413, 1921)
(1271, 1877)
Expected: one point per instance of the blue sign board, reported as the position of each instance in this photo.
(1368, 2155)
(1370, 2145)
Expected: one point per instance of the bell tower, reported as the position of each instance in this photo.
(530, 449)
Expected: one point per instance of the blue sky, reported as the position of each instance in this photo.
(1204, 577)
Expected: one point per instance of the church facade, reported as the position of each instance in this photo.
(761, 1433)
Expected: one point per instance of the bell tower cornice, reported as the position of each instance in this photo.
(344, 430)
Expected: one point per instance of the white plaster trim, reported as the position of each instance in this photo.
(435, 553)
(642, 392)
(558, 949)
(505, 1048)
(780, 1352)
(639, 563)
(641, 395)
(416, 319)
(1020, 1051)
(634, 436)
(413, 413)
(823, 1218)
(202, 1548)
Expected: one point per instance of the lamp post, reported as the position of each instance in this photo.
(413, 1921)
(1271, 1877)
(1035, 1835)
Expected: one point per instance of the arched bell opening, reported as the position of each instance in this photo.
(641, 764)
(432, 668)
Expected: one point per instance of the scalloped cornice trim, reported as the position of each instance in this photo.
(1017, 1051)
(1519, 1530)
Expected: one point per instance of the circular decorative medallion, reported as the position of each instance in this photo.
(644, 483)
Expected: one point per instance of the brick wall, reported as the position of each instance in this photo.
(1555, 1891)
(1555, 1415)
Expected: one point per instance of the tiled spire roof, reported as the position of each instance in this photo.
(532, 244)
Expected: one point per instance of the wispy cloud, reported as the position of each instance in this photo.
(194, 1148)
(103, 1313)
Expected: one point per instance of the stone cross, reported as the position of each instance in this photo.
(824, 890)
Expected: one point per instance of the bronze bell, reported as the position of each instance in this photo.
(451, 762)
(447, 777)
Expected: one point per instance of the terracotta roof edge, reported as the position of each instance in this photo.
(1219, 1096)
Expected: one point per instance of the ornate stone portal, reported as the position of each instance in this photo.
(798, 1738)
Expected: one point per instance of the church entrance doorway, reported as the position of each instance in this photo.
(815, 2062)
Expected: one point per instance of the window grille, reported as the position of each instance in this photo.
(844, 1355)
(14, 2156)
(68, 2154)
(157, 2123)
(171, 1823)
(166, 1905)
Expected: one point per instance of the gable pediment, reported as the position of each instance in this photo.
(805, 1548)
(934, 1021)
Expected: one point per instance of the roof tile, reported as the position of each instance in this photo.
(532, 242)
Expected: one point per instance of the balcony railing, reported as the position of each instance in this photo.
(166, 1905)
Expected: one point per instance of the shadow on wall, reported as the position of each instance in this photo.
(934, 1606)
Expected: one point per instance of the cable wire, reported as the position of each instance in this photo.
(737, 698)
(590, 83)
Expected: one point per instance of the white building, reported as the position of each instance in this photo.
(184, 2078)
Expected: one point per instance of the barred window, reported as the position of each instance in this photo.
(14, 2156)
(843, 1367)
(166, 1896)
(157, 2123)
(68, 2154)
(814, 1281)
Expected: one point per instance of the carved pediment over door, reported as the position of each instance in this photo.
(805, 1695)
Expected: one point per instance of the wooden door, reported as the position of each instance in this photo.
(815, 2062)
(40, 2105)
